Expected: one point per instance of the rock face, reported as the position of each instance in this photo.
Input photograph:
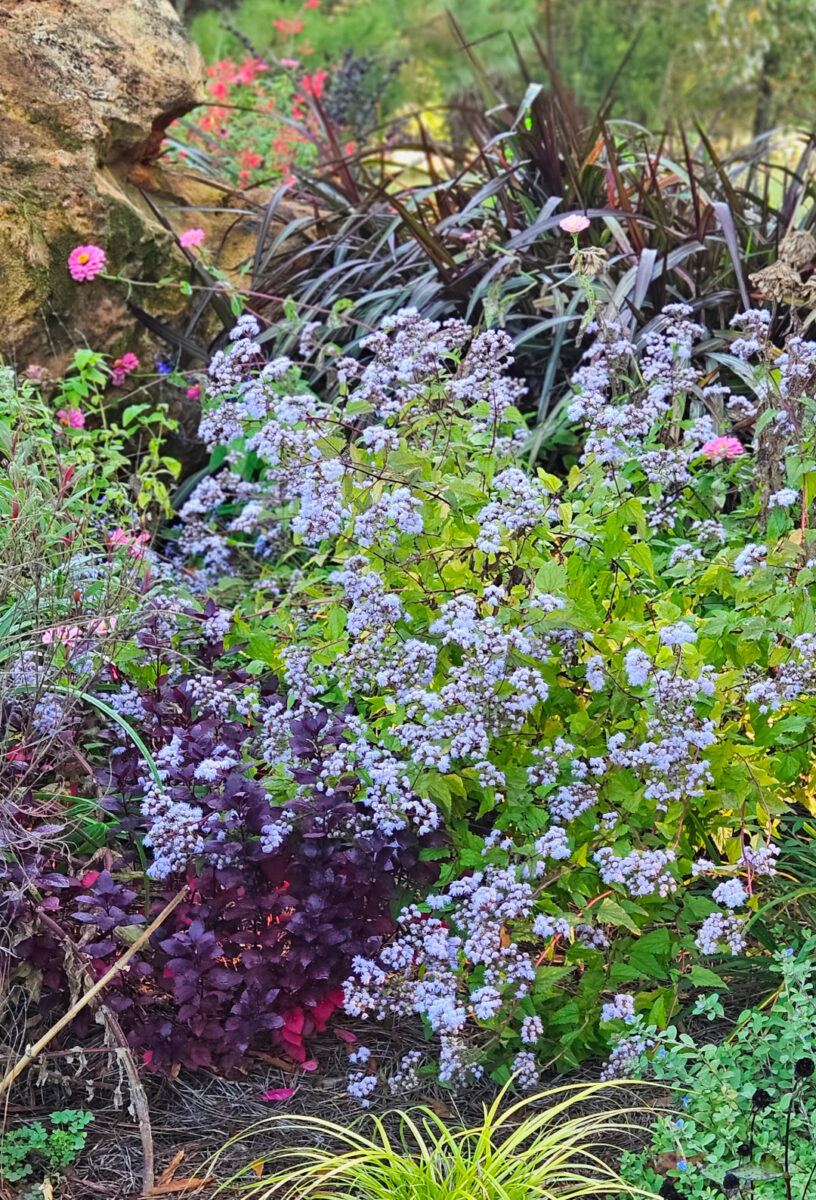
(87, 88)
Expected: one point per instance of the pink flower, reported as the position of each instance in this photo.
(37, 374)
(194, 392)
(67, 634)
(85, 262)
(314, 85)
(574, 223)
(103, 626)
(192, 237)
(723, 447)
(122, 367)
(74, 418)
(291, 63)
(135, 543)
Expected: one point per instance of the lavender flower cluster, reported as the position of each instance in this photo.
(455, 631)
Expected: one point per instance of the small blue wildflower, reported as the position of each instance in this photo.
(164, 368)
(686, 1101)
(681, 1164)
(678, 1124)
(788, 951)
(661, 1052)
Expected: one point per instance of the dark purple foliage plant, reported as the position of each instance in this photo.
(282, 895)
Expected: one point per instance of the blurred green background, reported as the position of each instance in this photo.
(743, 67)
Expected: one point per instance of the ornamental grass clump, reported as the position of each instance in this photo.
(545, 1146)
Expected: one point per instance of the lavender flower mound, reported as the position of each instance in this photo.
(445, 737)
(465, 634)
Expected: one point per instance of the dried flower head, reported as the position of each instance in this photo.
(797, 248)
(777, 282)
(589, 261)
(35, 373)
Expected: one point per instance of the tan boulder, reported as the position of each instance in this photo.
(87, 88)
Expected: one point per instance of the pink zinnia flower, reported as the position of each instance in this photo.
(194, 392)
(122, 367)
(723, 447)
(574, 223)
(74, 418)
(192, 237)
(85, 262)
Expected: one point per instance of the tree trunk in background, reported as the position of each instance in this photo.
(763, 114)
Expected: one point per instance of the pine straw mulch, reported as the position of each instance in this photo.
(193, 1115)
(197, 1112)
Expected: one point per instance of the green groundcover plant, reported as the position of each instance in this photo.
(33, 1149)
(741, 1119)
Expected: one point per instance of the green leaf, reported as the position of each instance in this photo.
(336, 620)
(609, 912)
(132, 412)
(702, 977)
(641, 555)
(764, 420)
(551, 577)
(803, 615)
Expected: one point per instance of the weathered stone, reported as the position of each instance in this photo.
(87, 88)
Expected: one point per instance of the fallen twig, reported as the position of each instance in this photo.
(114, 1030)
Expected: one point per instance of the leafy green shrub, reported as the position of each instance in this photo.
(252, 130)
(415, 31)
(740, 64)
(741, 1109)
(600, 686)
(123, 448)
(73, 560)
(33, 1149)
(536, 1147)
